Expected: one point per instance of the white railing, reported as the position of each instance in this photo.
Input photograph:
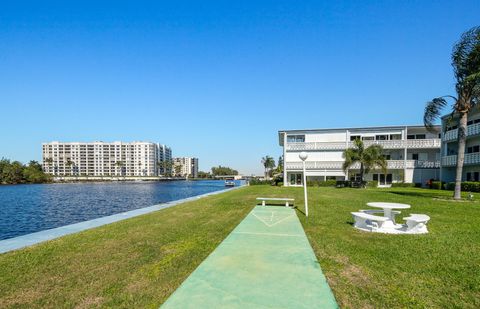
(470, 158)
(473, 129)
(390, 144)
(391, 164)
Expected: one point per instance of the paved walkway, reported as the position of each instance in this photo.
(266, 262)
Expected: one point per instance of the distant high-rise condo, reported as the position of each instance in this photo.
(185, 167)
(105, 159)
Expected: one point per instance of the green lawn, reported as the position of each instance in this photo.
(139, 262)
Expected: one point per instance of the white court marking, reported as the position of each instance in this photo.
(268, 234)
(271, 219)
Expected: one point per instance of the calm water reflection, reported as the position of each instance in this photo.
(31, 208)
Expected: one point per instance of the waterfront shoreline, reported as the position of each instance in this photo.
(19, 242)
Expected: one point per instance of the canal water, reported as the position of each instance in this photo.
(26, 209)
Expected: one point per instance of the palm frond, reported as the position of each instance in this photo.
(433, 110)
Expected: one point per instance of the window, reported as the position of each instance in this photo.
(387, 157)
(476, 176)
(296, 138)
(414, 156)
(375, 177)
(395, 136)
(473, 149)
(410, 136)
(420, 136)
(354, 137)
(368, 138)
(381, 137)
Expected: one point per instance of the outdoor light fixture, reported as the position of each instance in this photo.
(303, 156)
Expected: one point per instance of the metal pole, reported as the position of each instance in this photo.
(305, 189)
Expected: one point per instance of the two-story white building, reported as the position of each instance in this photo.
(412, 153)
(471, 165)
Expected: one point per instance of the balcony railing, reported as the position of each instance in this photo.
(390, 144)
(470, 158)
(391, 164)
(473, 129)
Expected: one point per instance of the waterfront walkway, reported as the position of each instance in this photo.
(266, 262)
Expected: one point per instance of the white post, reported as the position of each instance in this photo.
(303, 156)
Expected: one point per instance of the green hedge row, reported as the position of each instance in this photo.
(318, 183)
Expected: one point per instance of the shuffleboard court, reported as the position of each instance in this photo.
(266, 262)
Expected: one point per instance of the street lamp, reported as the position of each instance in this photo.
(303, 156)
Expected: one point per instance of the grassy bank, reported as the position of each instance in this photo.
(139, 262)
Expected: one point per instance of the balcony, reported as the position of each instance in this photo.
(470, 158)
(473, 129)
(337, 165)
(389, 144)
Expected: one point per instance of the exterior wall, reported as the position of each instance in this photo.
(101, 159)
(450, 147)
(413, 152)
(187, 166)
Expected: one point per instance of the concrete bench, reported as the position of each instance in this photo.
(276, 199)
(417, 223)
(367, 221)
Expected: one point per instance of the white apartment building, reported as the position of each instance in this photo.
(412, 153)
(185, 167)
(471, 165)
(164, 154)
(103, 159)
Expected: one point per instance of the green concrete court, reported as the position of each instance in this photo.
(266, 262)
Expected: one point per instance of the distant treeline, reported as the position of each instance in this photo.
(218, 171)
(14, 172)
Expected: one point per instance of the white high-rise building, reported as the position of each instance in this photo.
(103, 159)
(164, 154)
(412, 153)
(185, 167)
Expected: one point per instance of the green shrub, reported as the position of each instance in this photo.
(404, 185)
(256, 182)
(280, 183)
(436, 185)
(470, 186)
(449, 186)
(343, 184)
(418, 185)
(372, 184)
(319, 183)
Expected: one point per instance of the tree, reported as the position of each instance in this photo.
(33, 173)
(223, 171)
(268, 163)
(120, 164)
(368, 158)
(69, 164)
(280, 164)
(466, 67)
(49, 162)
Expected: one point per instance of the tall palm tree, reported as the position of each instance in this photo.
(368, 158)
(49, 162)
(268, 163)
(69, 164)
(466, 68)
(120, 164)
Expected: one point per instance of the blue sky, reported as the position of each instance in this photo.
(218, 79)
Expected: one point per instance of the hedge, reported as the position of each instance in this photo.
(467, 186)
(318, 183)
(403, 185)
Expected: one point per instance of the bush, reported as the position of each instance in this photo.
(256, 182)
(319, 183)
(418, 185)
(404, 185)
(449, 186)
(280, 183)
(436, 185)
(470, 186)
(372, 184)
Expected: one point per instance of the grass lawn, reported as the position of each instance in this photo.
(139, 262)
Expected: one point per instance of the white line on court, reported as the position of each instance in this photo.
(267, 234)
(270, 225)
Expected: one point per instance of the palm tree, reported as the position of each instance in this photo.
(49, 162)
(69, 164)
(369, 158)
(466, 67)
(268, 163)
(120, 164)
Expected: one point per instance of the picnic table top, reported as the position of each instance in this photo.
(386, 205)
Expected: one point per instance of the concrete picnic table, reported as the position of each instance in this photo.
(387, 209)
